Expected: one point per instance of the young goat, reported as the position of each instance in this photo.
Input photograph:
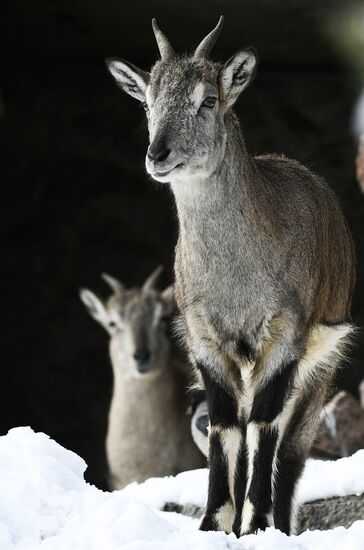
(148, 432)
(264, 277)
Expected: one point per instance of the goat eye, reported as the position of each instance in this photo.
(209, 102)
(145, 106)
(112, 324)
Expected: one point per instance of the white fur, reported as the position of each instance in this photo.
(225, 517)
(246, 401)
(252, 443)
(247, 516)
(323, 348)
(230, 439)
(231, 86)
(125, 75)
(324, 342)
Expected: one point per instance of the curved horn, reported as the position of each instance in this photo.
(115, 285)
(165, 48)
(152, 279)
(204, 48)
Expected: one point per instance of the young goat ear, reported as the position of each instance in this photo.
(169, 300)
(94, 305)
(129, 78)
(237, 73)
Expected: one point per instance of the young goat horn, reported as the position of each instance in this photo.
(115, 285)
(205, 47)
(165, 48)
(152, 279)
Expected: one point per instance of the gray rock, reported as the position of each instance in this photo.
(331, 512)
(320, 514)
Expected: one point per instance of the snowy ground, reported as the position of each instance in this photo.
(46, 504)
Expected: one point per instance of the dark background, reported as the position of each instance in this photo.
(75, 197)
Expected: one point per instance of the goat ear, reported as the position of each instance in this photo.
(169, 300)
(94, 305)
(129, 78)
(237, 73)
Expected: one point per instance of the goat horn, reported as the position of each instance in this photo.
(204, 48)
(152, 279)
(165, 48)
(115, 285)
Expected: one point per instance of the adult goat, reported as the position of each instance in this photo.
(264, 277)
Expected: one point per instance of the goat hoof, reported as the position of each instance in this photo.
(208, 524)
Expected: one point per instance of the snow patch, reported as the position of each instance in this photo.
(46, 504)
(320, 479)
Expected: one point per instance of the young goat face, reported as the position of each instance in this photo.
(185, 98)
(137, 322)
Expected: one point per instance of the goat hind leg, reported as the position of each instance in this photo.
(313, 378)
(296, 442)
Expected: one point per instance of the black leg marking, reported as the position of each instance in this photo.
(290, 467)
(260, 490)
(300, 415)
(240, 482)
(221, 403)
(258, 522)
(218, 492)
(269, 401)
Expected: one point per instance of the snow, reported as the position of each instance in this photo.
(321, 479)
(46, 504)
(324, 479)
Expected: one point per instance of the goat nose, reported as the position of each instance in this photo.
(142, 356)
(158, 152)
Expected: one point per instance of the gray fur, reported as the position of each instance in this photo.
(264, 263)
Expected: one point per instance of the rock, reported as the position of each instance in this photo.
(320, 514)
(190, 510)
(331, 512)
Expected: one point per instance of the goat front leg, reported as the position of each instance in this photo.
(262, 441)
(224, 444)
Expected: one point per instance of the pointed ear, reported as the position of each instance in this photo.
(94, 305)
(129, 78)
(237, 73)
(169, 300)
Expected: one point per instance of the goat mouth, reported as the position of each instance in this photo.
(162, 174)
